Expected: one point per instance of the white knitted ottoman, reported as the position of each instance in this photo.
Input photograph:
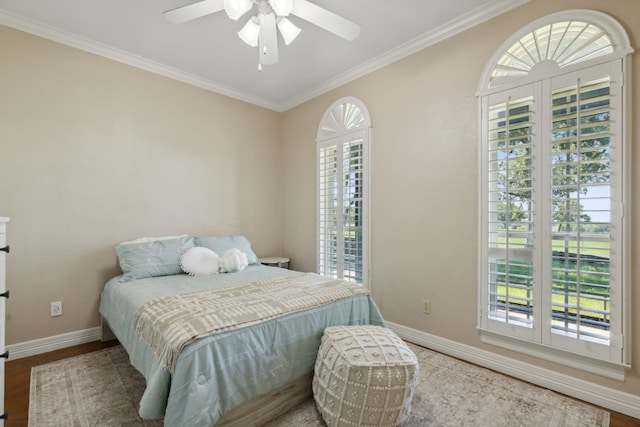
(364, 376)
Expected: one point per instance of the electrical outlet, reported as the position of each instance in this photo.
(56, 308)
(426, 306)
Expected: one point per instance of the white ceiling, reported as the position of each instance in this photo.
(208, 53)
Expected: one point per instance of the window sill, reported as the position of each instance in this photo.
(600, 367)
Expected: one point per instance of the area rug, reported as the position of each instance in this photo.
(103, 389)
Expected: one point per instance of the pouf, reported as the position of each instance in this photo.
(364, 376)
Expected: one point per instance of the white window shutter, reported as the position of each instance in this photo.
(343, 193)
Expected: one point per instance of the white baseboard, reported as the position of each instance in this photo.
(56, 342)
(625, 403)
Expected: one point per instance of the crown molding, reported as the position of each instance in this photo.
(430, 38)
(39, 29)
(443, 32)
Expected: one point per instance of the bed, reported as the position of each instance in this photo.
(244, 367)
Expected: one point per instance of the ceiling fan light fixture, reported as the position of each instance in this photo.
(250, 32)
(236, 8)
(261, 31)
(282, 7)
(288, 30)
(268, 39)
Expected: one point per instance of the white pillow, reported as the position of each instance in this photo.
(199, 261)
(233, 260)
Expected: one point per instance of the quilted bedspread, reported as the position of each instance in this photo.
(169, 323)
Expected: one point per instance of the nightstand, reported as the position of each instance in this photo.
(275, 261)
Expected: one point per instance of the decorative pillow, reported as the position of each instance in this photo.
(233, 260)
(199, 261)
(140, 259)
(222, 244)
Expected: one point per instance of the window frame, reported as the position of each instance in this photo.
(539, 80)
(335, 129)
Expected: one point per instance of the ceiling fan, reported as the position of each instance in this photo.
(261, 30)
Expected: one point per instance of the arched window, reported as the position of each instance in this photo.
(343, 191)
(565, 40)
(553, 137)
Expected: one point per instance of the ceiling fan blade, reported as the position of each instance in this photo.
(193, 11)
(326, 20)
(268, 40)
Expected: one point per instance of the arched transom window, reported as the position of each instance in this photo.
(342, 117)
(558, 41)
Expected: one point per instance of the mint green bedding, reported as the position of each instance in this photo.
(217, 373)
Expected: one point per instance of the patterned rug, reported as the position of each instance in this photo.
(103, 389)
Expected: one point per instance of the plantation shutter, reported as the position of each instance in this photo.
(510, 212)
(341, 208)
(352, 209)
(585, 184)
(329, 226)
(553, 212)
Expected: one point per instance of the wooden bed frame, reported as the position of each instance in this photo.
(259, 411)
(262, 409)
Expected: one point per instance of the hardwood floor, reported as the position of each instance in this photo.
(18, 377)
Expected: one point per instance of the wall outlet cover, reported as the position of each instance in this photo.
(56, 308)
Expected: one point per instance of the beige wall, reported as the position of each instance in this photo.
(424, 179)
(94, 152)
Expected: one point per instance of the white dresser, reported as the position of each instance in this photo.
(4, 295)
